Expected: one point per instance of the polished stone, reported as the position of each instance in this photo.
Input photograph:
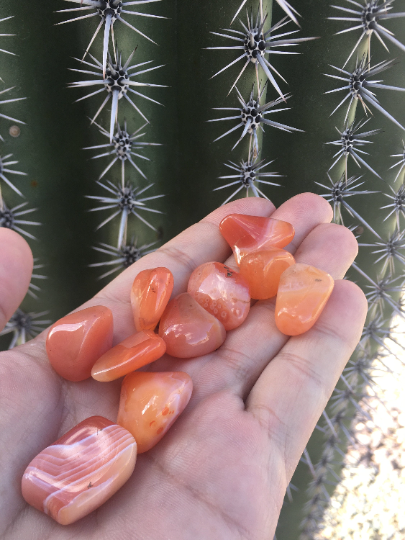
(150, 403)
(150, 295)
(262, 271)
(80, 471)
(76, 341)
(254, 233)
(222, 292)
(302, 295)
(188, 329)
(133, 353)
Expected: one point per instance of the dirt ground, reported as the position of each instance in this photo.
(369, 503)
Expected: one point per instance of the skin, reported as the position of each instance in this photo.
(15, 261)
(223, 469)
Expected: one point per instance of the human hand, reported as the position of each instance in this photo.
(222, 470)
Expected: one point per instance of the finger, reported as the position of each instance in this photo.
(305, 212)
(293, 390)
(248, 350)
(16, 264)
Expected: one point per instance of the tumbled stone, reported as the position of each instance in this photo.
(150, 403)
(150, 295)
(302, 295)
(222, 292)
(76, 341)
(253, 233)
(262, 271)
(134, 352)
(80, 471)
(188, 329)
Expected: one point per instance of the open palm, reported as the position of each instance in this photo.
(222, 470)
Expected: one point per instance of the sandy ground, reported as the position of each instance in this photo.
(369, 503)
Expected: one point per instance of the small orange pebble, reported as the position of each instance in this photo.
(222, 292)
(134, 352)
(150, 403)
(188, 329)
(150, 295)
(253, 233)
(262, 271)
(301, 297)
(80, 471)
(76, 341)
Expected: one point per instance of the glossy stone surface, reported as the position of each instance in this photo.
(188, 329)
(150, 403)
(80, 471)
(262, 271)
(222, 292)
(252, 233)
(150, 295)
(302, 295)
(134, 352)
(76, 341)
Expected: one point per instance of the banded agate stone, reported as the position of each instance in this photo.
(76, 341)
(188, 329)
(80, 471)
(222, 292)
(302, 295)
(133, 353)
(262, 271)
(150, 403)
(253, 233)
(150, 294)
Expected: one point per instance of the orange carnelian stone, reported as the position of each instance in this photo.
(134, 352)
(302, 295)
(76, 341)
(262, 270)
(150, 294)
(150, 403)
(80, 471)
(222, 292)
(252, 233)
(188, 329)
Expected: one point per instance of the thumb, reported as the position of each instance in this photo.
(16, 265)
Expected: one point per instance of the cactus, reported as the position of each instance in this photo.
(226, 56)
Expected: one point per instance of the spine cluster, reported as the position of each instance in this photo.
(255, 44)
(112, 77)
